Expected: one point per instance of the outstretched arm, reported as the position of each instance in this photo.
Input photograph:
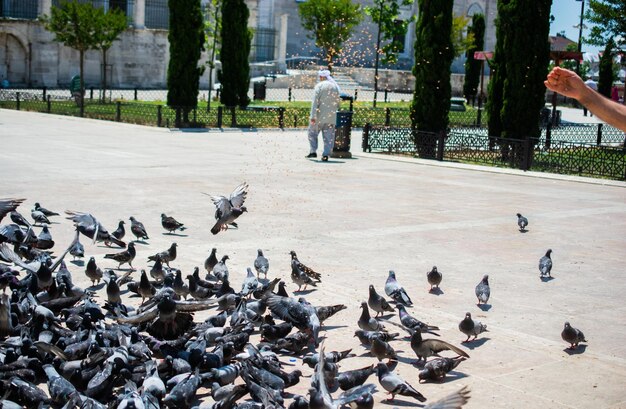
(568, 83)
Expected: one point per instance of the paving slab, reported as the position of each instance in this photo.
(353, 220)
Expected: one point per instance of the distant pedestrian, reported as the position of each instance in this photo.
(323, 114)
(594, 86)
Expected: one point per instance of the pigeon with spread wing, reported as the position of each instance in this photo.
(228, 209)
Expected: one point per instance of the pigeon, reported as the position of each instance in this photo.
(482, 290)
(332, 357)
(77, 250)
(300, 278)
(326, 311)
(180, 288)
(382, 349)
(425, 348)
(250, 283)
(378, 303)
(437, 369)
(298, 312)
(350, 379)
(170, 224)
(60, 389)
(455, 400)
(271, 333)
(44, 240)
(88, 225)
(39, 217)
(182, 394)
(17, 218)
(145, 288)
(137, 228)
(434, 278)
(93, 272)
(220, 270)
(45, 211)
(228, 209)
(297, 265)
(366, 322)
(470, 327)
(261, 264)
(545, 264)
(118, 233)
(157, 271)
(165, 256)
(395, 385)
(413, 324)
(211, 261)
(124, 257)
(9, 205)
(572, 335)
(366, 337)
(394, 290)
(522, 222)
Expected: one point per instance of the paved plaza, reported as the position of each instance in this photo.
(353, 220)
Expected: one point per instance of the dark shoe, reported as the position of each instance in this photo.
(324, 158)
(311, 155)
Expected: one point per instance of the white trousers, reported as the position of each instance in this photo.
(328, 134)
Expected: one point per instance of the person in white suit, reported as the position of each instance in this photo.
(323, 114)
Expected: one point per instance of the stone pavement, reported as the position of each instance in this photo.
(353, 220)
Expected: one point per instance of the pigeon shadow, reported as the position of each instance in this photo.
(406, 360)
(523, 231)
(78, 263)
(305, 292)
(578, 350)
(484, 307)
(546, 279)
(450, 377)
(141, 242)
(436, 291)
(397, 402)
(330, 160)
(475, 343)
(97, 287)
(330, 327)
(175, 234)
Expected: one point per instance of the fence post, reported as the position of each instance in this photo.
(195, 118)
(356, 94)
(295, 120)
(479, 117)
(281, 118)
(48, 104)
(386, 92)
(45, 92)
(219, 116)
(599, 140)
(366, 137)
(135, 93)
(548, 135)
(289, 95)
(525, 162)
(17, 101)
(91, 94)
(118, 111)
(441, 140)
(387, 116)
(159, 115)
(233, 117)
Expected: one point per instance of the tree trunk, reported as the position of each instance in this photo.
(104, 75)
(81, 98)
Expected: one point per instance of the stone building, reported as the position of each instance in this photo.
(29, 56)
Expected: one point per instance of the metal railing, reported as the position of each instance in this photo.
(21, 9)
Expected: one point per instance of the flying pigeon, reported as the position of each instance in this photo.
(8, 205)
(228, 209)
(88, 225)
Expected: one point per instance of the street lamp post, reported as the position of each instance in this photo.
(580, 33)
(380, 17)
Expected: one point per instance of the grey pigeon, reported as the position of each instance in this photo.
(166, 256)
(425, 348)
(356, 377)
(220, 270)
(299, 277)
(118, 233)
(545, 264)
(44, 240)
(298, 312)
(572, 335)
(366, 337)
(77, 250)
(368, 323)
(522, 222)
(395, 385)
(89, 226)
(470, 327)
(183, 393)
(332, 357)
(145, 288)
(394, 290)
(180, 288)
(250, 283)
(455, 400)
(437, 369)
(298, 265)
(482, 290)
(156, 271)
(211, 261)
(378, 303)
(434, 278)
(170, 224)
(60, 389)
(9, 205)
(17, 218)
(261, 264)
(45, 211)
(93, 272)
(228, 209)
(413, 324)
(138, 229)
(39, 217)
(124, 257)
(382, 350)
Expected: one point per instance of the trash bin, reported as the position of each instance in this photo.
(343, 130)
(259, 88)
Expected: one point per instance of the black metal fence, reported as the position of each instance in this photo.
(469, 146)
(22, 9)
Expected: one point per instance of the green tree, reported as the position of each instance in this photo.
(461, 41)
(472, 66)
(74, 24)
(110, 25)
(331, 23)
(236, 43)
(186, 38)
(609, 19)
(605, 82)
(433, 55)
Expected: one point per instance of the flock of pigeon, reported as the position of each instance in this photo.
(93, 349)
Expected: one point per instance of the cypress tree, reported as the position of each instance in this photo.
(236, 42)
(527, 57)
(498, 74)
(605, 82)
(186, 38)
(433, 56)
(472, 66)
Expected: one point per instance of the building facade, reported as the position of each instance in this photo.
(29, 56)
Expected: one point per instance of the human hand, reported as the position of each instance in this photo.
(566, 82)
(312, 121)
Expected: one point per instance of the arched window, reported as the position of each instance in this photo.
(474, 8)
